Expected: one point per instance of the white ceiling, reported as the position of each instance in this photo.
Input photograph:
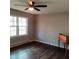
(53, 6)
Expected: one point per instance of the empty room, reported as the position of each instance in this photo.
(39, 29)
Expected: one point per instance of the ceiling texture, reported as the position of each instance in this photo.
(53, 6)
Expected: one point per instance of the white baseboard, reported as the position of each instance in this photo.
(20, 43)
(46, 42)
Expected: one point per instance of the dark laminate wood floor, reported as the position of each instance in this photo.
(37, 50)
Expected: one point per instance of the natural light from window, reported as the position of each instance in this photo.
(18, 26)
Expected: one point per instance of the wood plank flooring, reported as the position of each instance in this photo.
(36, 50)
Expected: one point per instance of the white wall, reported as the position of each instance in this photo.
(15, 41)
(49, 25)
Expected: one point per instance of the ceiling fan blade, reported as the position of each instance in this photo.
(36, 9)
(40, 5)
(26, 8)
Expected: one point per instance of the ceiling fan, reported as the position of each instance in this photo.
(32, 6)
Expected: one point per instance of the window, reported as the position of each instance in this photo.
(22, 26)
(12, 26)
(18, 26)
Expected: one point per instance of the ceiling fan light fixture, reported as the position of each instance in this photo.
(31, 9)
